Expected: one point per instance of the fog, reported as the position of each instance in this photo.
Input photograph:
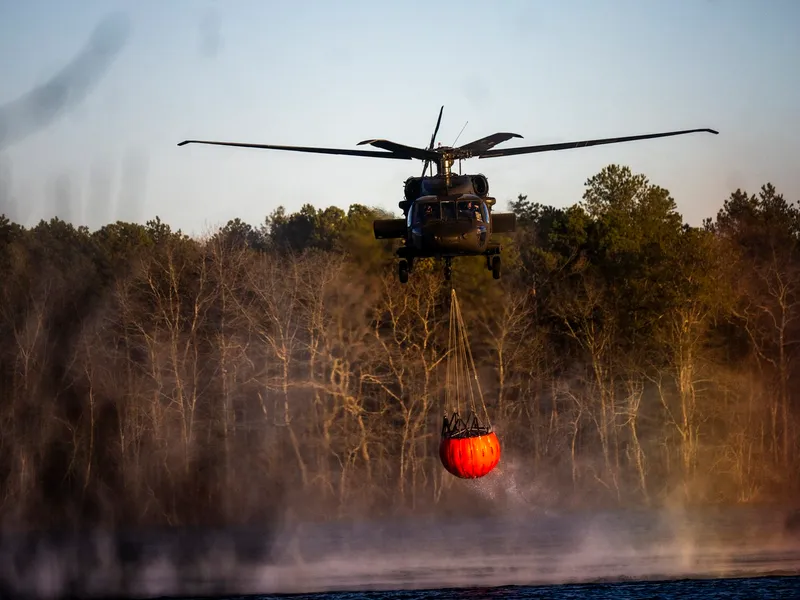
(518, 544)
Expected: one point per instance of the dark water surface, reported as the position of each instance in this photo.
(375, 559)
(715, 589)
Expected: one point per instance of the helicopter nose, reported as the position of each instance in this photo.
(453, 241)
(448, 239)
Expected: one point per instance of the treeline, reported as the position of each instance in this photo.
(625, 358)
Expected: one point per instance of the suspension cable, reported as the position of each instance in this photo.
(460, 362)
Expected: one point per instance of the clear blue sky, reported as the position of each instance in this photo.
(318, 72)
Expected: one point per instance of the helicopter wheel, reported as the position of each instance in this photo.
(402, 271)
(496, 267)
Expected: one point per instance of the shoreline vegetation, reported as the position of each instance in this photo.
(626, 359)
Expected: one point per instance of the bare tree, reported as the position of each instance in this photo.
(588, 322)
(770, 310)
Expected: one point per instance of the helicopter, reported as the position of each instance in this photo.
(448, 215)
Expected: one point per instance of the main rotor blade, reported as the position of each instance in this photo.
(345, 152)
(410, 151)
(586, 143)
(433, 138)
(436, 129)
(486, 143)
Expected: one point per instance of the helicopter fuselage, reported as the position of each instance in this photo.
(448, 225)
(446, 217)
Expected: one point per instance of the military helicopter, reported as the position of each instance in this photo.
(447, 215)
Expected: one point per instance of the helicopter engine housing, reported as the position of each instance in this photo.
(412, 189)
(480, 185)
(387, 229)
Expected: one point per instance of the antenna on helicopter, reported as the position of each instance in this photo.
(453, 145)
(459, 134)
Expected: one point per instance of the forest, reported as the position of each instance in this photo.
(626, 359)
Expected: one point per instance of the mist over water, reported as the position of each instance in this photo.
(522, 544)
(518, 544)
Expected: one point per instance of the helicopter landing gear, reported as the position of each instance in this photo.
(402, 271)
(493, 264)
(448, 268)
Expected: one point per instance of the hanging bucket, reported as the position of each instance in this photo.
(468, 450)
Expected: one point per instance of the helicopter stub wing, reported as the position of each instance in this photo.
(486, 143)
(315, 150)
(403, 150)
(586, 143)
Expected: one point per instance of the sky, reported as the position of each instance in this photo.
(322, 73)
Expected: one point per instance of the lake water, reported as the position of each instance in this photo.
(715, 589)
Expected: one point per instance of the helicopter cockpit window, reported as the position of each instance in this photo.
(471, 210)
(426, 212)
(449, 211)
